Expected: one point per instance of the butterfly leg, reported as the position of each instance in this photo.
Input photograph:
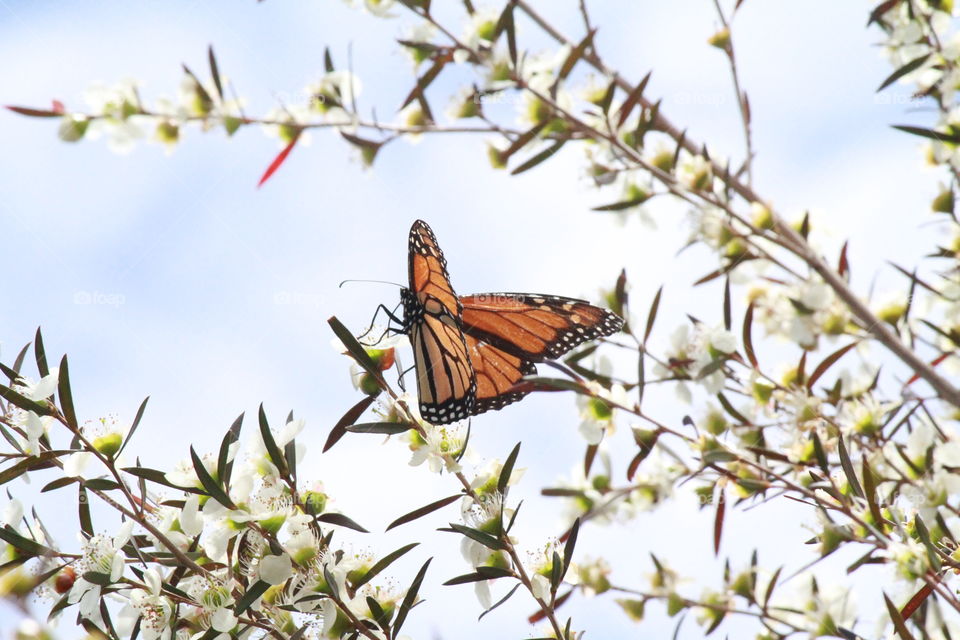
(403, 373)
(390, 314)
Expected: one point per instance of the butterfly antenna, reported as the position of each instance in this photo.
(373, 281)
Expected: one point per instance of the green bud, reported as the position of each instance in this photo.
(73, 128)
(943, 203)
(720, 39)
(108, 444)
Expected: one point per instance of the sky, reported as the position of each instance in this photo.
(173, 276)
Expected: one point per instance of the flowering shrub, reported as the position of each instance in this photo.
(797, 387)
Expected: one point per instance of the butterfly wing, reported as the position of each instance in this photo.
(534, 327)
(496, 372)
(428, 269)
(446, 382)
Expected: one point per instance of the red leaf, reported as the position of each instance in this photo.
(718, 522)
(933, 363)
(279, 160)
(34, 113)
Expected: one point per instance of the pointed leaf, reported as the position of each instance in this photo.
(409, 599)
(540, 157)
(209, 484)
(422, 511)
(215, 71)
(341, 521)
(507, 470)
(909, 67)
(382, 564)
(279, 160)
(133, 427)
(340, 429)
(276, 456)
(828, 362)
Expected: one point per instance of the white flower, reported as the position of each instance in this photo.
(190, 520)
(149, 606)
(275, 569)
(540, 587)
(75, 464)
(443, 444)
(223, 620)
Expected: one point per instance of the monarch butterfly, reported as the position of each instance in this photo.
(469, 351)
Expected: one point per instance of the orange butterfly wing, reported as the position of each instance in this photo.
(535, 327)
(446, 382)
(496, 371)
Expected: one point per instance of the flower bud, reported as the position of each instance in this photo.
(762, 216)
(675, 604)
(73, 127)
(495, 155)
(720, 39)
(108, 444)
(943, 203)
(64, 581)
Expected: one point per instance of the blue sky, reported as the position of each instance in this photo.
(191, 264)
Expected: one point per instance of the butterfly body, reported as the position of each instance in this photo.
(470, 351)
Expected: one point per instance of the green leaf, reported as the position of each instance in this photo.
(215, 71)
(95, 577)
(621, 205)
(66, 396)
(327, 60)
(924, 534)
(909, 67)
(482, 573)
(410, 598)
(350, 417)
(848, 469)
(23, 402)
(30, 463)
(271, 445)
(485, 539)
(224, 467)
(424, 81)
(507, 470)
(382, 564)
(899, 624)
(727, 320)
(505, 24)
(86, 521)
(255, 591)
(101, 484)
(569, 546)
(422, 511)
(209, 484)
(159, 477)
(940, 136)
(40, 354)
(24, 545)
(18, 361)
(133, 427)
(827, 363)
(556, 572)
(341, 521)
(632, 99)
(501, 601)
(540, 157)
(58, 484)
(388, 428)
(748, 336)
(353, 347)
(575, 55)
(652, 314)
(556, 384)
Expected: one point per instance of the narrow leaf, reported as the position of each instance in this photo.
(540, 157)
(652, 314)
(422, 511)
(279, 160)
(828, 362)
(507, 470)
(340, 429)
(341, 521)
(382, 564)
(410, 598)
